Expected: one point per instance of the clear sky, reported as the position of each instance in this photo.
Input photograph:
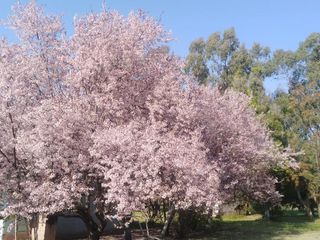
(274, 23)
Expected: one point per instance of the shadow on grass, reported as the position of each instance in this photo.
(258, 229)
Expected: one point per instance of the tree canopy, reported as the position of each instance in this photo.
(106, 121)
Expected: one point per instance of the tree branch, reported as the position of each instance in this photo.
(4, 155)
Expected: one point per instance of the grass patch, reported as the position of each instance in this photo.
(255, 228)
(289, 226)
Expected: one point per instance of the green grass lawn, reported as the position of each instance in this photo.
(291, 226)
(255, 228)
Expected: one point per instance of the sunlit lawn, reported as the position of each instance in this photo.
(255, 228)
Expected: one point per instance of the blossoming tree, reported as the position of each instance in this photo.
(105, 122)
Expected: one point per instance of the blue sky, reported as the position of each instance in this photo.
(274, 23)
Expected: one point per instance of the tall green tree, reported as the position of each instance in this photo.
(302, 118)
(222, 60)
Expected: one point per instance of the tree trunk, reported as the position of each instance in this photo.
(164, 209)
(94, 224)
(220, 213)
(170, 215)
(267, 214)
(94, 235)
(209, 216)
(50, 231)
(305, 203)
(183, 220)
(94, 231)
(33, 229)
(43, 228)
(308, 210)
(147, 229)
(127, 231)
